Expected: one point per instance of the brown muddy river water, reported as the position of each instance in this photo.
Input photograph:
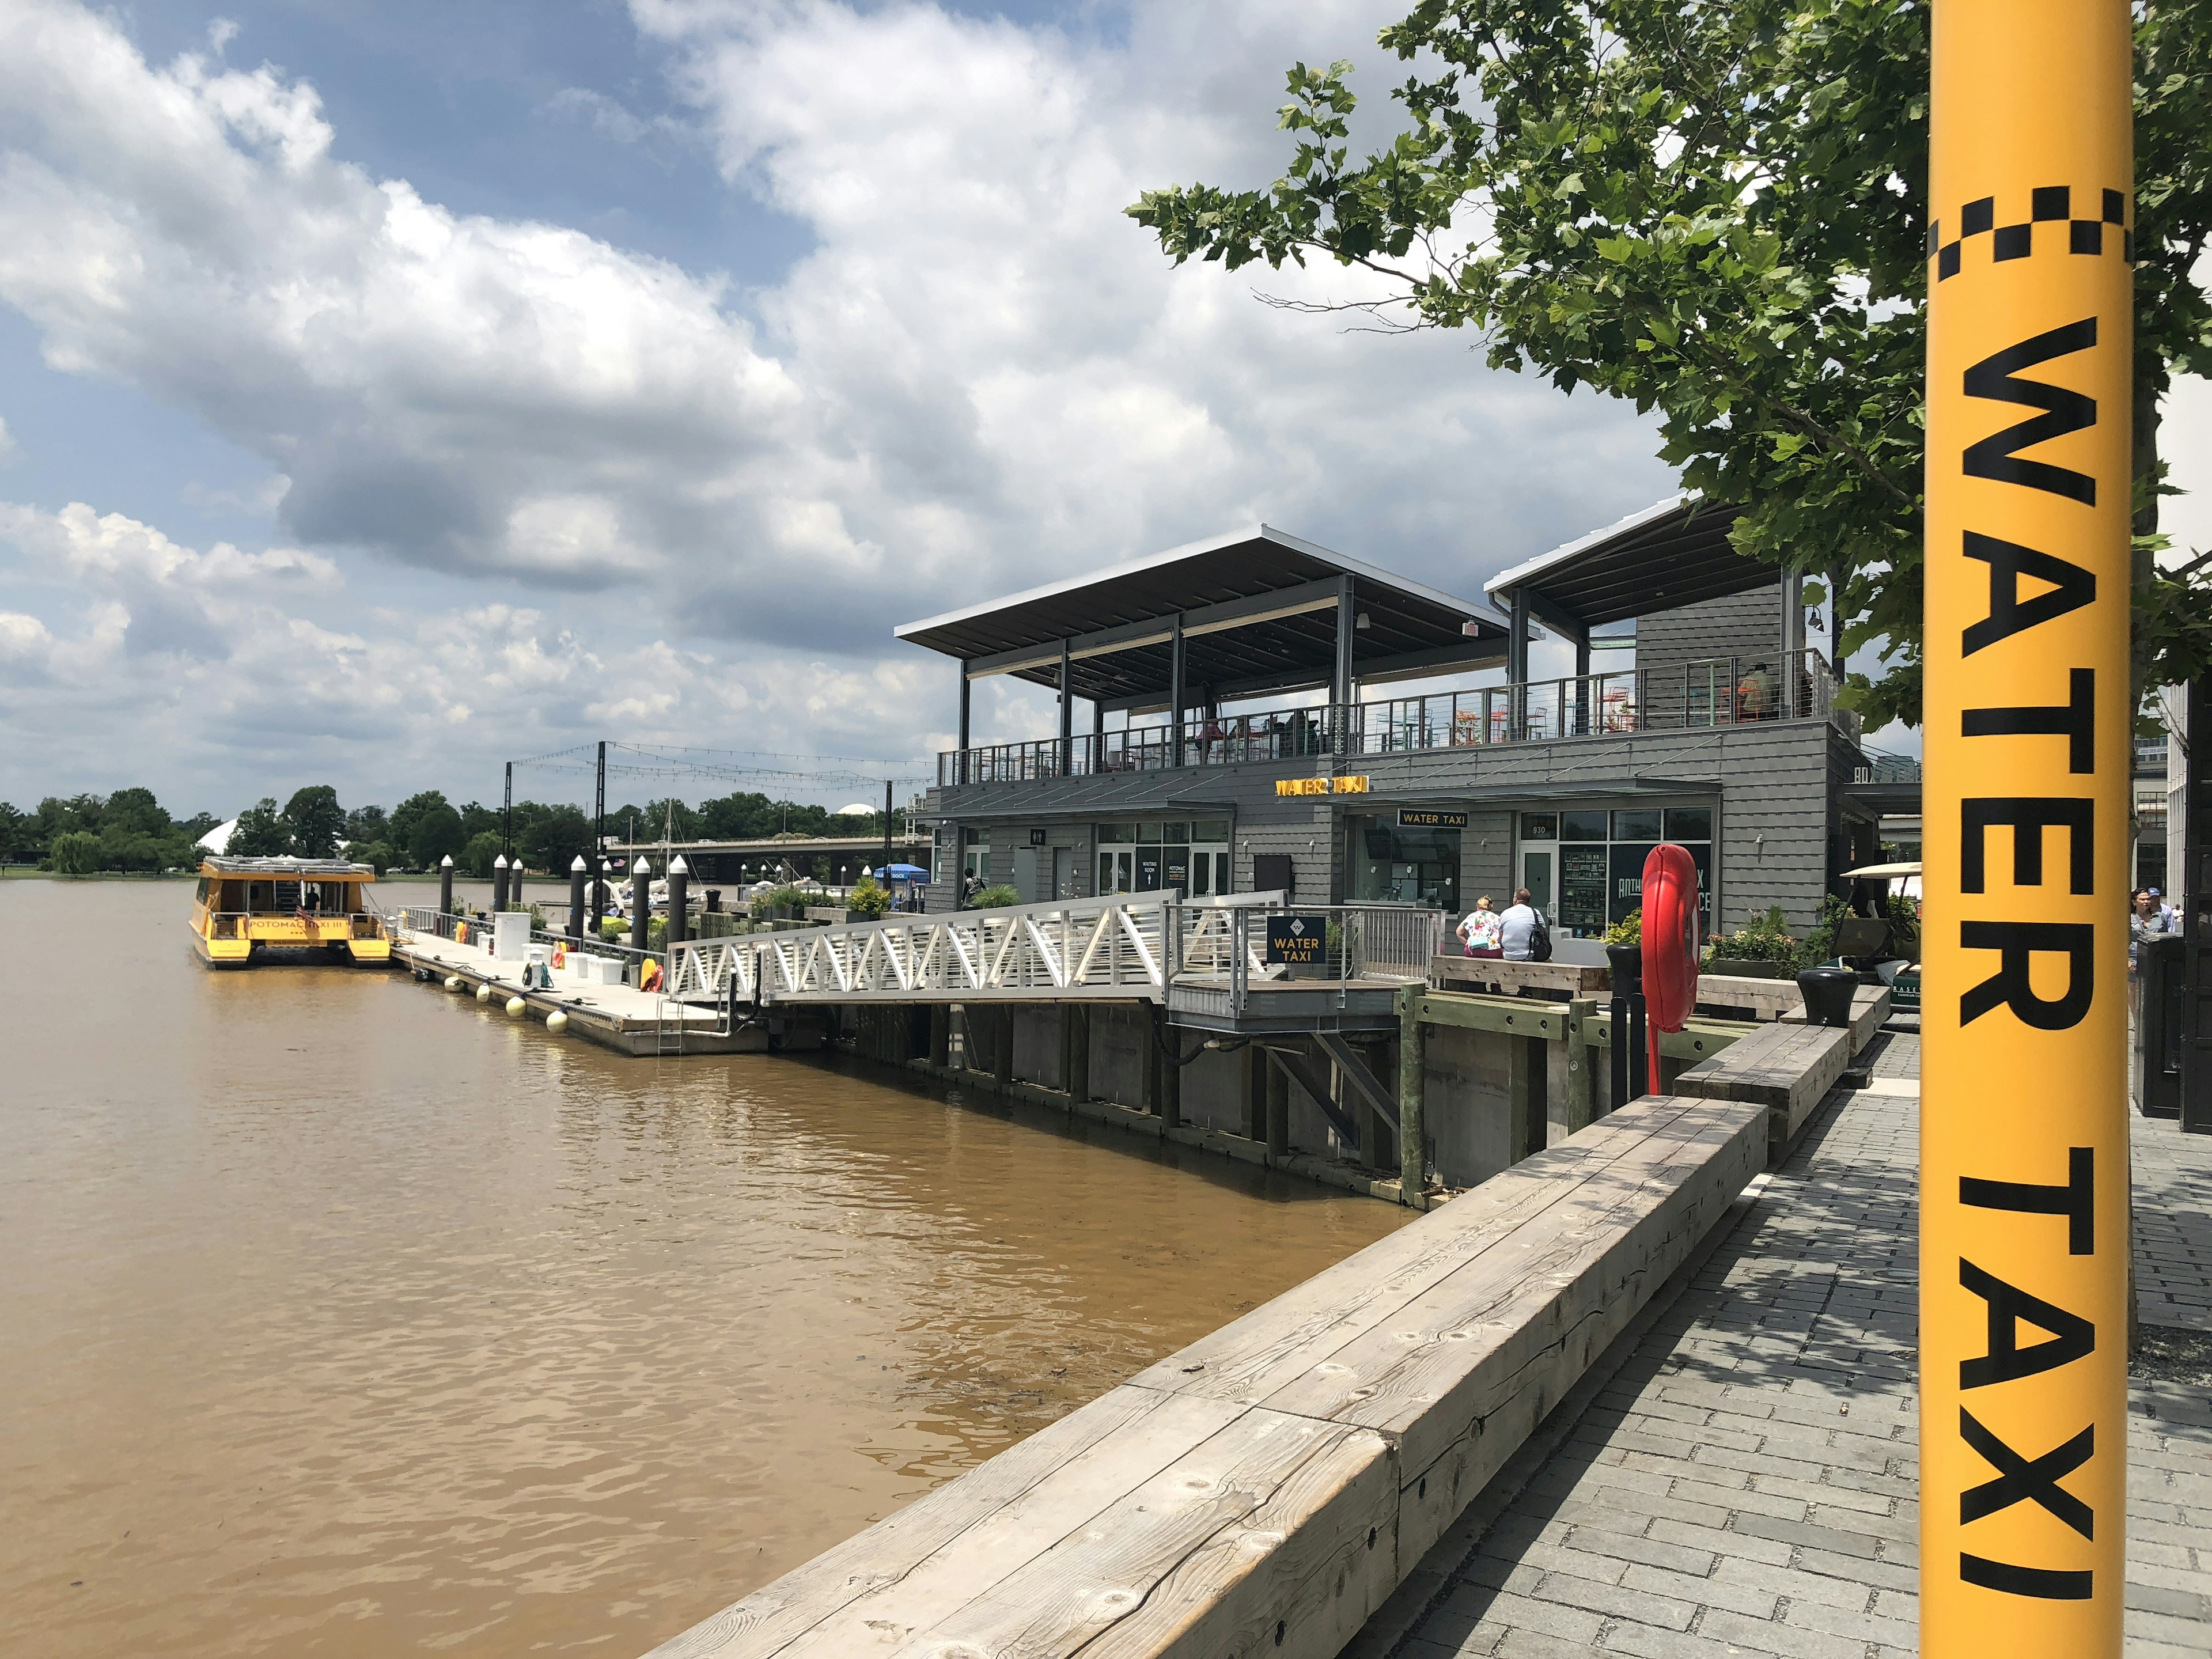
(344, 1316)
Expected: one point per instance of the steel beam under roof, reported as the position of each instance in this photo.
(1673, 554)
(1258, 609)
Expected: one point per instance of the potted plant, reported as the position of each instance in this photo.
(1624, 951)
(1763, 949)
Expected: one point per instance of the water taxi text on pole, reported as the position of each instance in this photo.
(2024, 1136)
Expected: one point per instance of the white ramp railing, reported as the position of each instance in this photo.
(1126, 946)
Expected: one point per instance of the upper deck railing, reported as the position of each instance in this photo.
(1714, 691)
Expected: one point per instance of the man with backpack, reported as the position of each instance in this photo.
(1522, 931)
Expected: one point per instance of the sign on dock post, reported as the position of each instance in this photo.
(2024, 1158)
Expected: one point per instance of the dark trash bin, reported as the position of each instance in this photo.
(1827, 994)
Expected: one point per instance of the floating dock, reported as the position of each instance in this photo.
(617, 1017)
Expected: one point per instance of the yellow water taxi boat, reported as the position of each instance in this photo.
(246, 908)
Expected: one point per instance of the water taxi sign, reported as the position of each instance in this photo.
(1350, 786)
(1297, 939)
(2023, 1128)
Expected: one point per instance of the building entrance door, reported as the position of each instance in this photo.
(1117, 870)
(1063, 872)
(1538, 865)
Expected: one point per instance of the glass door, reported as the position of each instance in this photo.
(1538, 864)
(1209, 871)
(1117, 870)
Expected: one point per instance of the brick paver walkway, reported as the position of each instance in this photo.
(1747, 1482)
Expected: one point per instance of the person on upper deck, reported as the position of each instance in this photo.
(1517, 927)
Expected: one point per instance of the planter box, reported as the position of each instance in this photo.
(1736, 969)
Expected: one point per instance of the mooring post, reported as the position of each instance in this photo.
(1412, 1130)
(1581, 1108)
(679, 897)
(641, 902)
(1002, 1046)
(499, 884)
(446, 885)
(576, 902)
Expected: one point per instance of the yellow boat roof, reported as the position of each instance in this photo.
(288, 869)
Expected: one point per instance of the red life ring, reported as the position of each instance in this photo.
(1671, 917)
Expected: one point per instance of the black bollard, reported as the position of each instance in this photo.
(446, 885)
(641, 902)
(1635, 1047)
(576, 898)
(1627, 1012)
(598, 894)
(679, 896)
(499, 884)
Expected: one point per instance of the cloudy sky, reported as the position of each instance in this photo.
(389, 389)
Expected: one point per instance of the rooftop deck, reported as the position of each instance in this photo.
(1715, 692)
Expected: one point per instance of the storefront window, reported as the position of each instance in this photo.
(1601, 860)
(1152, 857)
(1540, 826)
(1403, 864)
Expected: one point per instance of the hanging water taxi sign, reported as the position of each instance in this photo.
(1344, 785)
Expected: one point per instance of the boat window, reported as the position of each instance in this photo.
(201, 895)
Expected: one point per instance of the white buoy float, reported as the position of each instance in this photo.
(452, 981)
(515, 1006)
(557, 1021)
(483, 992)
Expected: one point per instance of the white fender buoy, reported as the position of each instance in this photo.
(483, 992)
(452, 981)
(557, 1021)
(515, 1006)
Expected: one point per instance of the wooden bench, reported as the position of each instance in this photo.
(1560, 981)
(1787, 1067)
(1264, 1490)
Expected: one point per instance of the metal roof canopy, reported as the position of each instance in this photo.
(222, 864)
(1673, 554)
(1259, 615)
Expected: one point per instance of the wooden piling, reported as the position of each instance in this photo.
(1002, 1045)
(1526, 1064)
(1255, 1091)
(1169, 1092)
(1279, 1108)
(1582, 1105)
(1412, 1129)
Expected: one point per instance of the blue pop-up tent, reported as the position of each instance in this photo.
(904, 872)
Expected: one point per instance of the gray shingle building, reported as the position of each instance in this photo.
(1262, 713)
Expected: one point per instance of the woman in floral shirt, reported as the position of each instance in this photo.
(1480, 933)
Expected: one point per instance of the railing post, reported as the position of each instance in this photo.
(1412, 1130)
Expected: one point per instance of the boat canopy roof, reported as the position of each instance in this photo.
(288, 869)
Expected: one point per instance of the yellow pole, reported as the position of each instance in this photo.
(2024, 1161)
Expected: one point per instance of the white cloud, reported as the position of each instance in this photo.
(980, 375)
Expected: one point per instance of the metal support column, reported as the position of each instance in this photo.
(1792, 642)
(1176, 693)
(1067, 715)
(1339, 688)
(2192, 883)
(507, 815)
(967, 710)
(1516, 669)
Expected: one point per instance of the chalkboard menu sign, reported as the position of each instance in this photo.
(1582, 888)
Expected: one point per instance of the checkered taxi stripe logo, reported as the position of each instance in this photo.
(2051, 205)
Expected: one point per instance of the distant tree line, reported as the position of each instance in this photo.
(130, 831)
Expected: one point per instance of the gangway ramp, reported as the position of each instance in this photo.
(1204, 959)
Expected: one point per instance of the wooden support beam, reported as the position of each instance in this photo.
(1357, 1073)
(1526, 1066)
(1278, 1086)
(1413, 1089)
(1255, 1091)
(1296, 1066)
(1702, 1039)
(1077, 1036)
(1519, 1016)
(1582, 1093)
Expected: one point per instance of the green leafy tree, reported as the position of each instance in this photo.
(259, 832)
(74, 852)
(368, 824)
(197, 826)
(136, 810)
(554, 837)
(408, 813)
(477, 819)
(374, 854)
(314, 821)
(476, 858)
(1717, 210)
(436, 833)
(125, 849)
(15, 844)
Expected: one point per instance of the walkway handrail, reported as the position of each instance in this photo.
(1125, 945)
